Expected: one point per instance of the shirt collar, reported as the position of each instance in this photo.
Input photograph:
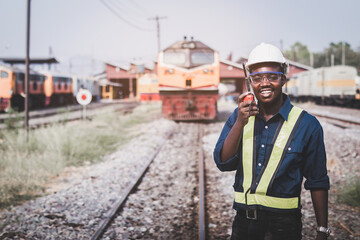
(286, 107)
(284, 110)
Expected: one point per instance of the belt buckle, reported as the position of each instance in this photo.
(251, 214)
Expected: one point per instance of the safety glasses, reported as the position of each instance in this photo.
(258, 77)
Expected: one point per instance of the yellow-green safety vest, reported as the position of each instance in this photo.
(260, 197)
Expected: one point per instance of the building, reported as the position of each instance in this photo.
(232, 76)
(121, 81)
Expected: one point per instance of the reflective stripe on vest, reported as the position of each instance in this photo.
(260, 197)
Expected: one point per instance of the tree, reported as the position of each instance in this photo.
(330, 55)
(333, 55)
(298, 53)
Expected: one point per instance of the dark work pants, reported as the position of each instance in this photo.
(269, 225)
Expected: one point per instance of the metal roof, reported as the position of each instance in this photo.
(299, 65)
(198, 45)
(231, 63)
(31, 60)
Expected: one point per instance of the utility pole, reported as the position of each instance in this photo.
(50, 56)
(27, 70)
(343, 53)
(311, 59)
(157, 18)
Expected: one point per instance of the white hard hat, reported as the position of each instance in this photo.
(267, 53)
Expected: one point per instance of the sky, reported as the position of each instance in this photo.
(80, 33)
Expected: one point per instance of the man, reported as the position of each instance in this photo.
(272, 146)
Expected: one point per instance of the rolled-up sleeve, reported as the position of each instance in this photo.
(232, 163)
(315, 170)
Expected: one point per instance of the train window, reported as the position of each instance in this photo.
(35, 86)
(37, 78)
(20, 77)
(4, 74)
(199, 58)
(175, 58)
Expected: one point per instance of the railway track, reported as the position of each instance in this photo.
(339, 116)
(338, 121)
(117, 206)
(107, 225)
(202, 188)
(63, 114)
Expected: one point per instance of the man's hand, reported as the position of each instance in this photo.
(246, 109)
(320, 202)
(321, 236)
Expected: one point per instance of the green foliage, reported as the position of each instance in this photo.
(26, 166)
(350, 194)
(298, 53)
(334, 52)
(13, 119)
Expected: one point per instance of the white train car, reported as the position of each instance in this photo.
(336, 85)
(87, 83)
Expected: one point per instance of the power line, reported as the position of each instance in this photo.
(132, 9)
(128, 10)
(137, 6)
(157, 18)
(123, 19)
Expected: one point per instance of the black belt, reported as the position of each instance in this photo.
(255, 214)
(251, 214)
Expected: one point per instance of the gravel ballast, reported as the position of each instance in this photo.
(164, 206)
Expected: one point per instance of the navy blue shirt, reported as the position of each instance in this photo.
(305, 156)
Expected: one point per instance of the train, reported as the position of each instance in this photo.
(188, 79)
(12, 89)
(46, 89)
(58, 89)
(336, 85)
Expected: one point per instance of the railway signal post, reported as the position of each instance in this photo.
(84, 98)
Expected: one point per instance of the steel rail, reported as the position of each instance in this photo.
(202, 206)
(40, 113)
(337, 119)
(117, 206)
(72, 115)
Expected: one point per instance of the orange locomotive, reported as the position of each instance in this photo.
(12, 89)
(188, 73)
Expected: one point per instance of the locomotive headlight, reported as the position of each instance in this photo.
(206, 70)
(170, 70)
